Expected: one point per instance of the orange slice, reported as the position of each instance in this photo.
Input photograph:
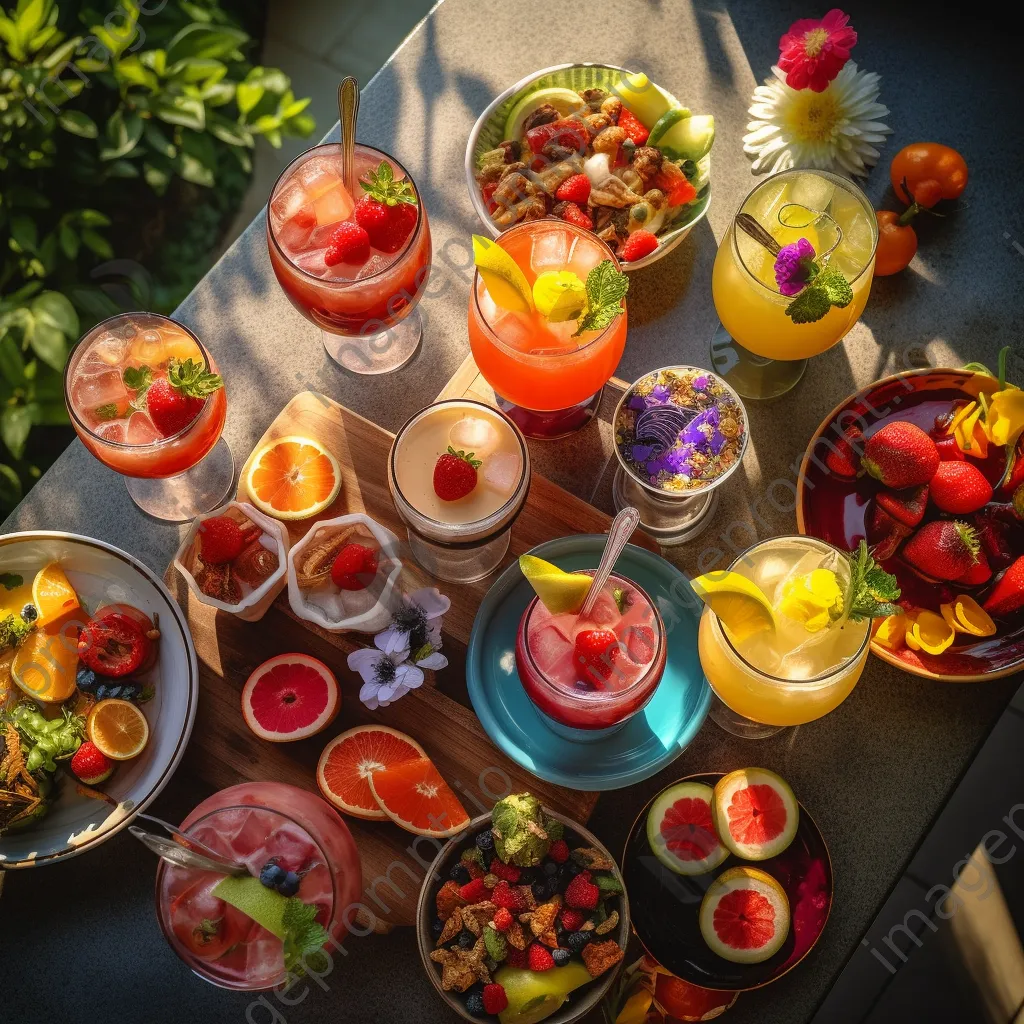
(118, 728)
(46, 663)
(413, 795)
(293, 478)
(349, 760)
(52, 594)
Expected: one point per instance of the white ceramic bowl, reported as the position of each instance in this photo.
(255, 604)
(103, 574)
(489, 131)
(372, 621)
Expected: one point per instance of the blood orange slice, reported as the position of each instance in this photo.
(413, 794)
(349, 760)
(289, 698)
(681, 832)
(293, 478)
(755, 812)
(744, 916)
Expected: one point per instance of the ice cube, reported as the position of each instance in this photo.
(318, 176)
(320, 236)
(326, 597)
(514, 330)
(264, 959)
(148, 346)
(357, 602)
(565, 625)
(287, 203)
(551, 249)
(812, 191)
(549, 648)
(111, 430)
(291, 845)
(109, 348)
(294, 234)
(501, 472)
(474, 434)
(374, 265)
(312, 261)
(141, 430)
(92, 391)
(605, 610)
(333, 206)
(763, 205)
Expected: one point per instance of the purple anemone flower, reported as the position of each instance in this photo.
(793, 266)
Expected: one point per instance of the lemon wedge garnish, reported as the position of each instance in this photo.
(505, 282)
(560, 295)
(739, 603)
(558, 590)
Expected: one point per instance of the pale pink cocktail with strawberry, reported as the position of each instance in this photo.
(353, 264)
(259, 824)
(589, 675)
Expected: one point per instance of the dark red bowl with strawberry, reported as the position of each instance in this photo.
(950, 528)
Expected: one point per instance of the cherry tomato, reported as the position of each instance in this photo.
(147, 625)
(203, 924)
(931, 172)
(113, 645)
(897, 244)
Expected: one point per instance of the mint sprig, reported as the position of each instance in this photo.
(304, 937)
(827, 288)
(606, 288)
(381, 185)
(873, 591)
(137, 378)
(193, 379)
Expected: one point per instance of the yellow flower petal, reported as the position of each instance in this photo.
(1005, 420)
(971, 617)
(960, 415)
(635, 1009)
(932, 632)
(815, 599)
(970, 435)
(892, 631)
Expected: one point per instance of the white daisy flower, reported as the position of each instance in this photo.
(833, 130)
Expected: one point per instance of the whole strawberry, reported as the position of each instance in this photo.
(355, 567)
(582, 893)
(634, 128)
(389, 210)
(637, 246)
(960, 488)
(908, 506)
(844, 458)
(176, 400)
(945, 549)
(90, 765)
(900, 455)
(495, 999)
(979, 573)
(575, 189)
(220, 540)
(455, 475)
(595, 654)
(538, 958)
(1008, 594)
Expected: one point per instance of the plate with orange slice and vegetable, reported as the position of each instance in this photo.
(927, 466)
(98, 688)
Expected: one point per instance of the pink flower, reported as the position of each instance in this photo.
(813, 52)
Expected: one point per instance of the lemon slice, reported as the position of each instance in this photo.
(739, 603)
(560, 295)
(505, 282)
(558, 590)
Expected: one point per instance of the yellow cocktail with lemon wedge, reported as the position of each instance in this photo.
(784, 634)
(547, 322)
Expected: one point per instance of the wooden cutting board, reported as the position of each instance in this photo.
(223, 751)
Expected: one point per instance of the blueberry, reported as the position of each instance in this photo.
(467, 940)
(289, 885)
(485, 841)
(577, 940)
(101, 691)
(550, 868)
(538, 890)
(30, 613)
(475, 1004)
(86, 679)
(114, 692)
(528, 876)
(437, 927)
(550, 888)
(561, 957)
(460, 874)
(272, 875)
(129, 691)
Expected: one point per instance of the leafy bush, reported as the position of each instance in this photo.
(125, 129)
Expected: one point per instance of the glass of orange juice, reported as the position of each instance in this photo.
(759, 349)
(547, 376)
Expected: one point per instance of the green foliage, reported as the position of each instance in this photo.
(126, 128)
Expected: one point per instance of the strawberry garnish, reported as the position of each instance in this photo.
(220, 540)
(595, 654)
(637, 246)
(355, 568)
(90, 765)
(389, 210)
(844, 458)
(575, 189)
(350, 244)
(455, 475)
(1008, 594)
(176, 400)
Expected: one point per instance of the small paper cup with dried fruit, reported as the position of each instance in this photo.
(314, 595)
(247, 585)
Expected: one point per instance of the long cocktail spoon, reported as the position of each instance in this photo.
(348, 111)
(622, 528)
(194, 855)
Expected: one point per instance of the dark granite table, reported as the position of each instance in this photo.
(79, 941)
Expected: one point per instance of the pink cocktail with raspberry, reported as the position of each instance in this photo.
(355, 263)
(592, 673)
(256, 824)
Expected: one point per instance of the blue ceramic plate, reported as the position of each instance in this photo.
(652, 738)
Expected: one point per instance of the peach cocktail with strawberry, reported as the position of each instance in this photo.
(353, 264)
(146, 400)
(588, 673)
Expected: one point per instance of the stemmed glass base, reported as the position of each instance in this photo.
(736, 725)
(177, 499)
(669, 520)
(751, 375)
(549, 426)
(372, 354)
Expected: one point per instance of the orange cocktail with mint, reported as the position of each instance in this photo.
(547, 323)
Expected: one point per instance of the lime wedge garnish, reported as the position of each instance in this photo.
(505, 282)
(739, 603)
(250, 896)
(558, 590)
(559, 295)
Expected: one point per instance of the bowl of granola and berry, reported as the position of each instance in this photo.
(599, 146)
(530, 920)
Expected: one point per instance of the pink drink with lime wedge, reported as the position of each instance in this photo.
(560, 675)
(252, 824)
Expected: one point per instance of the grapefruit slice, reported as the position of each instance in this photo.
(289, 698)
(755, 813)
(744, 916)
(413, 795)
(293, 478)
(681, 831)
(349, 760)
